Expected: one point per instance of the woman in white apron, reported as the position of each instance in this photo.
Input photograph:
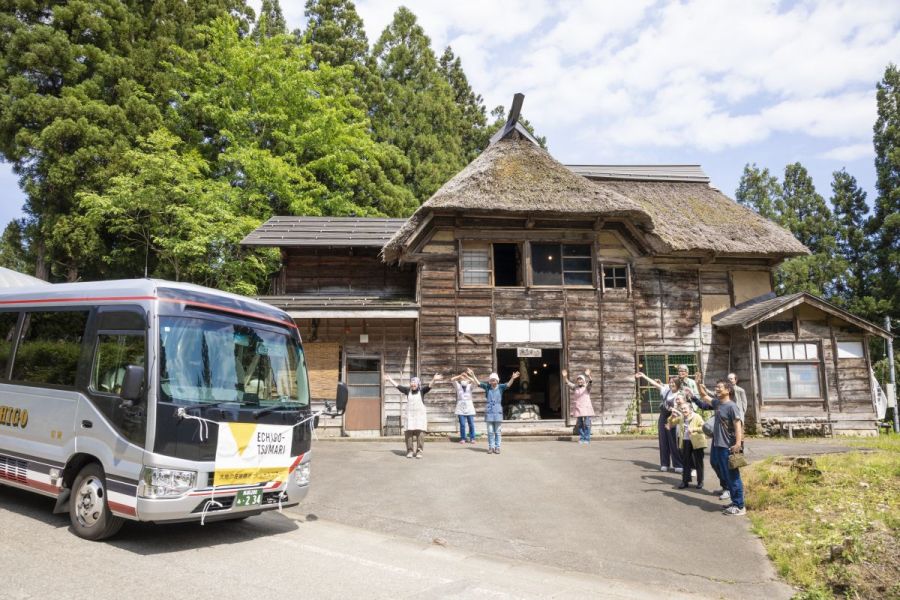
(416, 417)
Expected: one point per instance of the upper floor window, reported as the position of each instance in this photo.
(497, 264)
(615, 277)
(561, 264)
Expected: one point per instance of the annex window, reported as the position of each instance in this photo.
(850, 349)
(113, 353)
(789, 370)
(50, 347)
(561, 264)
(8, 322)
(615, 277)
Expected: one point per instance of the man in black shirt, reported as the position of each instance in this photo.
(728, 438)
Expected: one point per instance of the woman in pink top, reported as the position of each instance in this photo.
(580, 406)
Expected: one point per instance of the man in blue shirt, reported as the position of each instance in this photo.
(493, 410)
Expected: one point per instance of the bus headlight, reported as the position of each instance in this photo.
(165, 483)
(302, 474)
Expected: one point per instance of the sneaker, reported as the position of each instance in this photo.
(419, 454)
(409, 455)
(472, 441)
(735, 511)
(664, 468)
(700, 486)
(726, 495)
(497, 450)
(490, 450)
(462, 441)
(679, 470)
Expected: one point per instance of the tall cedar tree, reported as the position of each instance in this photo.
(270, 21)
(336, 37)
(417, 112)
(473, 117)
(758, 189)
(806, 214)
(885, 222)
(81, 83)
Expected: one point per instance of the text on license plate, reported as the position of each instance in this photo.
(248, 498)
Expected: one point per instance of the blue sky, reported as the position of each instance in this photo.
(720, 83)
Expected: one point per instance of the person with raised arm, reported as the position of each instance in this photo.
(416, 416)
(728, 438)
(669, 456)
(581, 407)
(688, 426)
(465, 408)
(493, 410)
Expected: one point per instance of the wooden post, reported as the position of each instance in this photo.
(834, 359)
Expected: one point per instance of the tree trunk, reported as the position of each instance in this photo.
(41, 269)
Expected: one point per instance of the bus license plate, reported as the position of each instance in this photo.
(248, 498)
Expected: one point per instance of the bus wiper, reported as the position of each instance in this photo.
(267, 411)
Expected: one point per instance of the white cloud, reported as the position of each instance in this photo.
(850, 152)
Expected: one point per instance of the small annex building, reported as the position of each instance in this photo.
(522, 263)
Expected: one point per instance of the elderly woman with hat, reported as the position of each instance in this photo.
(416, 415)
(493, 410)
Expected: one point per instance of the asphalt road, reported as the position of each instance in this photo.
(543, 519)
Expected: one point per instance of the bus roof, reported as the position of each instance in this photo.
(139, 290)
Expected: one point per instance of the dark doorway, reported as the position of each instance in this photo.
(541, 387)
(507, 265)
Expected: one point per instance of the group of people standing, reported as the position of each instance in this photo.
(417, 418)
(684, 434)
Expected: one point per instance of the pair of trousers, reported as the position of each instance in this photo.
(668, 447)
(413, 437)
(583, 424)
(463, 421)
(691, 458)
(493, 431)
(719, 457)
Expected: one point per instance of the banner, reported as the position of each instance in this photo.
(251, 453)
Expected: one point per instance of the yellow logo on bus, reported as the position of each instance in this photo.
(14, 417)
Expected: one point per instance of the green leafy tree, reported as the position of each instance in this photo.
(417, 112)
(290, 138)
(500, 116)
(473, 115)
(270, 21)
(81, 82)
(335, 33)
(14, 249)
(885, 222)
(758, 189)
(176, 219)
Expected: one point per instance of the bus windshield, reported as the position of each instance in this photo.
(206, 362)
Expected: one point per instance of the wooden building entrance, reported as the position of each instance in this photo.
(364, 384)
(538, 392)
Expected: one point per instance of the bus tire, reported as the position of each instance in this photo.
(88, 507)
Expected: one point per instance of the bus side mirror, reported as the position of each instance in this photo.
(341, 398)
(133, 383)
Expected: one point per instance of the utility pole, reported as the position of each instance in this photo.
(892, 389)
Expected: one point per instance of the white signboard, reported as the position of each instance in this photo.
(475, 325)
(528, 352)
(512, 330)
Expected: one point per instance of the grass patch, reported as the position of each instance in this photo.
(832, 531)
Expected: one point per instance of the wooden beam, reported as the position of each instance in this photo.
(834, 358)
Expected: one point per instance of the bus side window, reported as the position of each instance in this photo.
(112, 353)
(8, 321)
(49, 347)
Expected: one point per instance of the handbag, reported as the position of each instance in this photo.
(736, 460)
(708, 426)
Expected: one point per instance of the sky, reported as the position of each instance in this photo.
(715, 82)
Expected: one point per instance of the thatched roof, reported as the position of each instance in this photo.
(691, 216)
(517, 176)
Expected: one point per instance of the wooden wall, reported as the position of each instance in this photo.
(342, 272)
(391, 339)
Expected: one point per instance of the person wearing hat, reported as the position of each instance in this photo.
(582, 408)
(416, 415)
(493, 410)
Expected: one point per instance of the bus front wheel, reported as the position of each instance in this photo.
(88, 506)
